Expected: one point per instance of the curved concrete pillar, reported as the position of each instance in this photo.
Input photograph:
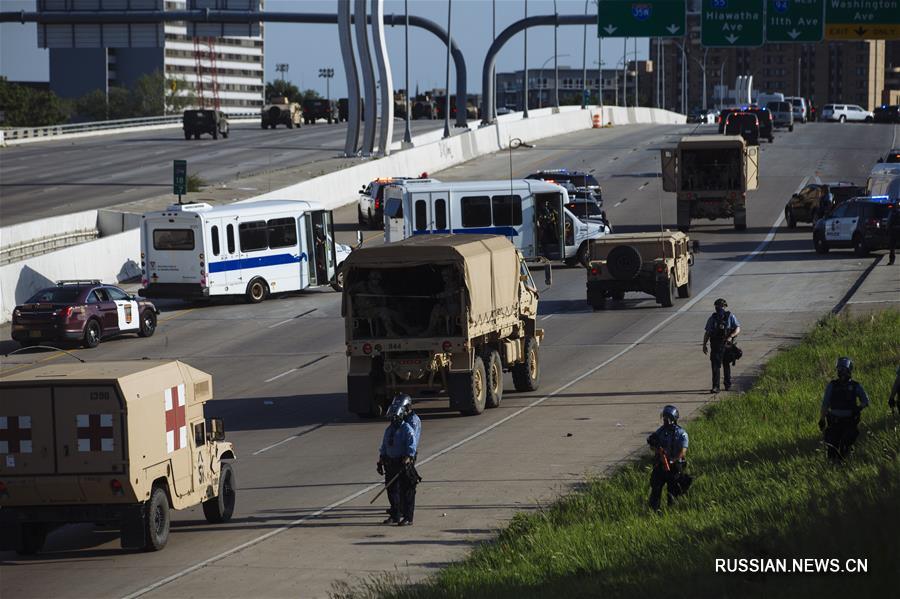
(351, 145)
(386, 134)
(368, 75)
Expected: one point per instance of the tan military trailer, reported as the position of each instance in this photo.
(654, 263)
(711, 175)
(120, 443)
(280, 111)
(439, 313)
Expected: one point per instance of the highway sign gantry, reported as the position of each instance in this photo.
(795, 20)
(862, 19)
(732, 23)
(651, 18)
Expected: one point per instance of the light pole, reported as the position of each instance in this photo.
(700, 64)
(541, 80)
(637, 100)
(555, 59)
(282, 67)
(584, 85)
(599, 64)
(447, 78)
(525, 72)
(624, 62)
(327, 74)
(407, 134)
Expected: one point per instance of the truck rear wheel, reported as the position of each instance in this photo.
(684, 216)
(740, 219)
(527, 374)
(471, 390)
(257, 291)
(665, 294)
(157, 520)
(493, 367)
(684, 291)
(220, 508)
(32, 538)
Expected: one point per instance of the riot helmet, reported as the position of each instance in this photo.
(400, 408)
(844, 367)
(669, 415)
(720, 303)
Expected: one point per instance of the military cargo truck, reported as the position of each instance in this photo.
(439, 313)
(711, 175)
(121, 443)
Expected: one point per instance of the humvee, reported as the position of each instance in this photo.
(120, 443)
(280, 111)
(438, 313)
(197, 122)
(655, 263)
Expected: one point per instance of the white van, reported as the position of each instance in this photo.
(251, 248)
(800, 110)
(526, 211)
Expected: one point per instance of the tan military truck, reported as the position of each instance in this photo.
(439, 313)
(711, 175)
(280, 111)
(120, 443)
(655, 263)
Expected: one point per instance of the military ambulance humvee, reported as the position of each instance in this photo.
(113, 442)
(655, 263)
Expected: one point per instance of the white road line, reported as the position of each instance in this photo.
(285, 321)
(278, 376)
(802, 184)
(274, 445)
(642, 186)
(546, 317)
(619, 203)
(228, 552)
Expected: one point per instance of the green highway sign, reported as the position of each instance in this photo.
(732, 23)
(179, 181)
(862, 19)
(650, 18)
(795, 20)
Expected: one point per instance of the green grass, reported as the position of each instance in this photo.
(764, 490)
(195, 183)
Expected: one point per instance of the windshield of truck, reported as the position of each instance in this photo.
(416, 301)
(712, 169)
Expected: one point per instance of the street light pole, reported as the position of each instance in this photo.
(447, 78)
(327, 74)
(525, 72)
(584, 86)
(555, 59)
(637, 99)
(624, 73)
(282, 67)
(407, 134)
(541, 79)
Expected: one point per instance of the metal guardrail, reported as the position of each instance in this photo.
(14, 134)
(38, 247)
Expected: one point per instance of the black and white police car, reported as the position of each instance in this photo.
(859, 223)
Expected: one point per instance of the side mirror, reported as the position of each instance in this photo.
(548, 275)
(216, 429)
(359, 238)
(695, 245)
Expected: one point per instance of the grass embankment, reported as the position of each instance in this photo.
(764, 490)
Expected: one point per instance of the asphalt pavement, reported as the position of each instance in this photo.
(306, 467)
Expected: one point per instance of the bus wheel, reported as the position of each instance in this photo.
(257, 291)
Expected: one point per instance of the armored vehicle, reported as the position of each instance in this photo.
(655, 263)
(711, 175)
(197, 122)
(280, 111)
(120, 443)
(439, 313)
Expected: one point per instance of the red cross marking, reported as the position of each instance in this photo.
(14, 435)
(175, 416)
(95, 432)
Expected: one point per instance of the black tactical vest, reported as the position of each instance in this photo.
(720, 327)
(843, 395)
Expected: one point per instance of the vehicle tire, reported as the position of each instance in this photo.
(148, 323)
(370, 220)
(771, 139)
(842, 119)
(475, 391)
(618, 296)
(220, 508)
(597, 304)
(527, 374)
(33, 537)
(791, 221)
(92, 334)
(157, 520)
(215, 133)
(330, 120)
(493, 368)
(583, 257)
(820, 244)
(869, 119)
(196, 136)
(290, 124)
(361, 218)
(624, 262)
(263, 126)
(225, 133)
(684, 291)
(860, 248)
(337, 283)
(257, 291)
(666, 292)
(791, 128)
(187, 134)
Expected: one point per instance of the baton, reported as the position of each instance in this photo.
(388, 484)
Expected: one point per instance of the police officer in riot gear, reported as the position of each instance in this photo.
(399, 447)
(722, 327)
(670, 442)
(839, 418)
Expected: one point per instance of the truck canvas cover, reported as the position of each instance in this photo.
(488, 263)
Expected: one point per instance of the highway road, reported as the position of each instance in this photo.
(306, 468)
(59, 177)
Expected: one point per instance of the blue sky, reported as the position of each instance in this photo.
(306, 48)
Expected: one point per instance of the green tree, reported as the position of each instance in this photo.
(178, 95)
(23, 106)
(283, 88)
(309, 94)
(149, 95)
(92, 106)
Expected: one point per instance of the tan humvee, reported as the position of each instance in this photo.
(279, 111)
(439, 312)
(116, 442)
(655, 263)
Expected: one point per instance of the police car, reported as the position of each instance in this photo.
(859, 223)
(577, 179)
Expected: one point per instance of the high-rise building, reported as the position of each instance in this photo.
(239, 66)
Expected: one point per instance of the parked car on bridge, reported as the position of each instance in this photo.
(83, 311)
(842, 113)
(887, 113)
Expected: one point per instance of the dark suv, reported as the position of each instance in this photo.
(320, 108)
(745, 124)
(85, 311)
(810, 204)
(766, 126)
(197, 122)
(860, 223)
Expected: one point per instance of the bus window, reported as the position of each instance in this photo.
(253, 236)
(507, 211)
(440, 214)
(476, 211)
(214, 233)
(229, 233)
(421, 216)
(173, 239)
(282, 233)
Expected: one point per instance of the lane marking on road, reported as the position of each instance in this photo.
(301, 367)
(620, 202)
(287, 320)
(292, 437)
(255, 541)
(646, 183)
(546, 317)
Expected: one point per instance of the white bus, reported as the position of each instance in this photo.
(531, 213)
(193, 251)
